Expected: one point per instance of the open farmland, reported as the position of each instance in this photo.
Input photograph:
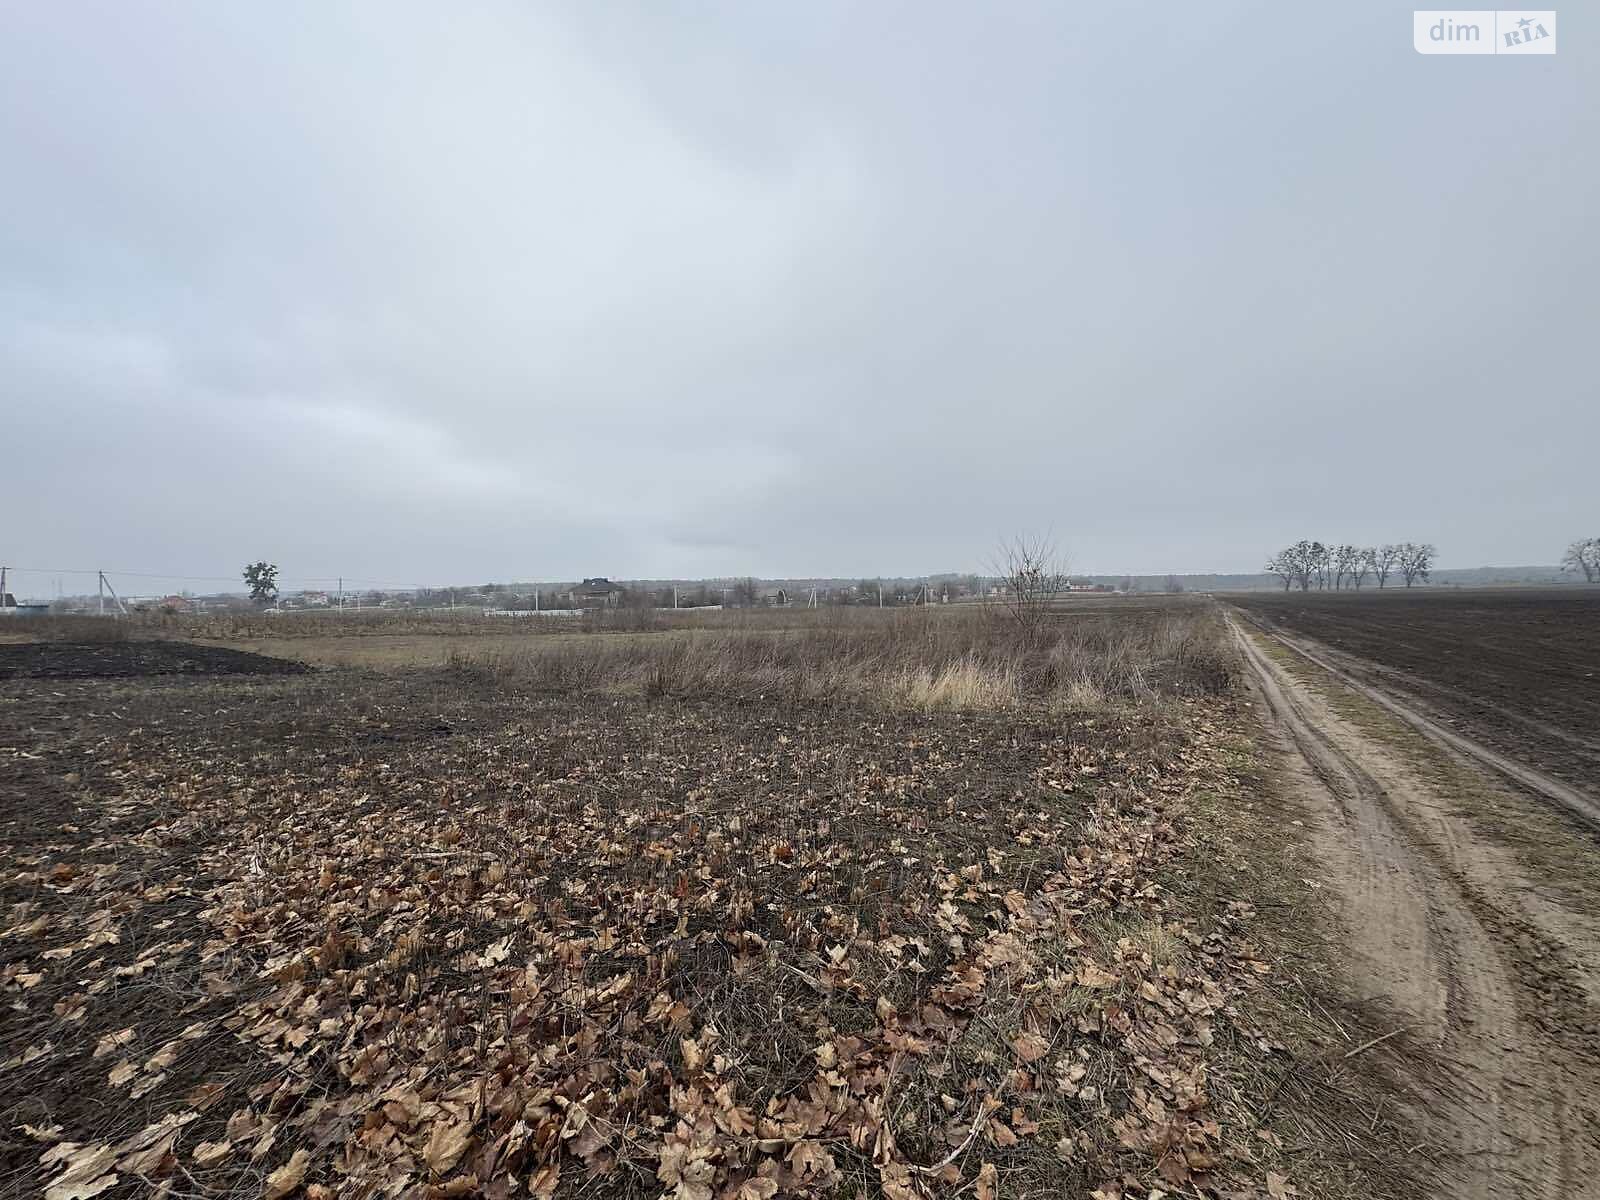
(648, 927)
(1518, 669)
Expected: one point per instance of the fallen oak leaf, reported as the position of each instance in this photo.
(31, 1054)
(263, 1146)
(163, 1058)
(808, 1158)
(544, 1180)
(287, 1177)
(146, 1085)
(86, 1170)
(112, 1040)
(1092, 975)
(446, 1144)
(1000, 1133)
(204, 1096)
(209, 1154)
(1030, 1047)
(154, 1160)
(149, 1152)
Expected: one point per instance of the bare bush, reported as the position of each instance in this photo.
(1031, 575)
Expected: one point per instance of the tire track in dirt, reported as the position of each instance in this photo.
(1506, 1084)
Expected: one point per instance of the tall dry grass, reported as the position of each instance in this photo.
(923, 658)
(250, 625)
(67, 629)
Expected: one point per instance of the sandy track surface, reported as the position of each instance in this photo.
(1499, 1058)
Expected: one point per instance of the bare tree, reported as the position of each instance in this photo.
(1583, 555)
(1416, 560)
(1382, 560)
(1303, 564)
(1361, 567)
(1345, 560)
(1321, 560)
(1031, 575)
(1308, 563)
(1280, 565)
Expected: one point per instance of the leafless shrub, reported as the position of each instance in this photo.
(1031, 575)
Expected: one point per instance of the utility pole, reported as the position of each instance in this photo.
(341, 593)
(100, 609)
(104, 584)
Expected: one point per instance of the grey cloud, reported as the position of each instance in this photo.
(418, 293)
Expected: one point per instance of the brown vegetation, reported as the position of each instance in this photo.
(438, 934)
(974, 658)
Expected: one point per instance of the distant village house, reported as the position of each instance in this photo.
(599, 592)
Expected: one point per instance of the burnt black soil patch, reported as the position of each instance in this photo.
(121, 660)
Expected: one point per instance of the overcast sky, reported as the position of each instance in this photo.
(430, 293)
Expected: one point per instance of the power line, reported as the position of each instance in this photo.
(387, 583)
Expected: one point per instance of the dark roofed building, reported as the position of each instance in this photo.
(599, 592)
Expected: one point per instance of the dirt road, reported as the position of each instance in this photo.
(1493, 980)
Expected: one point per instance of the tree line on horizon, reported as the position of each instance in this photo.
(1311, 564)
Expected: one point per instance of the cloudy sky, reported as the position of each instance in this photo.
(429, 293)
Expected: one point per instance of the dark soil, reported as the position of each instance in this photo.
(130, 659)
(1518, 670)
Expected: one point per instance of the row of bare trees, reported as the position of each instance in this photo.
(1583, 555)
(1308, 565)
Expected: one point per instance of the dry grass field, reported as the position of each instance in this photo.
(904, 905)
